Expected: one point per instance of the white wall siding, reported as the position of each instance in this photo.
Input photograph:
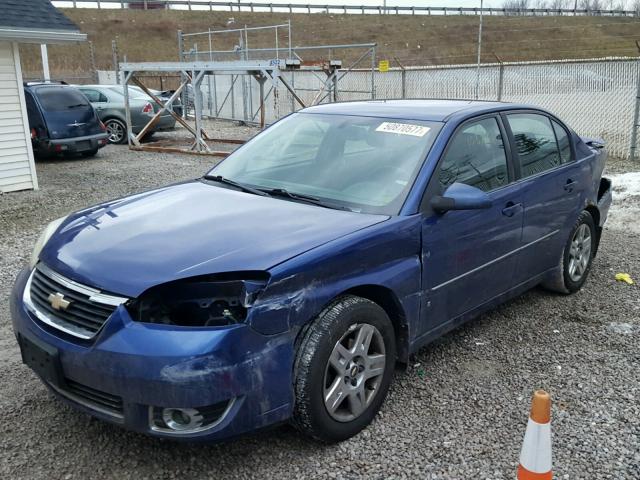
(17, 169)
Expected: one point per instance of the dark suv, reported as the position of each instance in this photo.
(62, 121)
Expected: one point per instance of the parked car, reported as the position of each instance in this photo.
(108, 101)
(163, 95)
(62, 121)
(287, 282)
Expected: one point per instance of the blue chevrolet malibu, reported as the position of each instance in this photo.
(288, 282)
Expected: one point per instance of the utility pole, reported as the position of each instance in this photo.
(479, 51)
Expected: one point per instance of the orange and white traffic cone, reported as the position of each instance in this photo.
(535, 457)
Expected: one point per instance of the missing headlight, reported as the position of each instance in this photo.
(198, 302)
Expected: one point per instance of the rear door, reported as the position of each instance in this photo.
(552, 183)
(66, 112)
(469, 256)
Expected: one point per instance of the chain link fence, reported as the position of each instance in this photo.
(595, 97)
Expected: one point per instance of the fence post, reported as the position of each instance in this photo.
(500, 77)
(403, 78)
(636, 114)
(373, 73)
(114, 54)
(92, 60)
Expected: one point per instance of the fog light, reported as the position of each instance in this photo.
(186, 421)
(182, 418)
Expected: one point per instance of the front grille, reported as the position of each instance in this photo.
(95, 397)
(86, 311)
(91, 398)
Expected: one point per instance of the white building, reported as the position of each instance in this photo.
(23, 21)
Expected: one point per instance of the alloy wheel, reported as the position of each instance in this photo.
(354, 372)
(115, 131)
(580, 252)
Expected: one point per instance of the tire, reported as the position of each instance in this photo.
(117, 131)
(328, 346)
(89, 154)
(577, 256)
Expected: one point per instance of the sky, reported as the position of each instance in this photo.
(390, 3)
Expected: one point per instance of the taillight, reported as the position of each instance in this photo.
(103, 127)
(34, 134)
(148, 108)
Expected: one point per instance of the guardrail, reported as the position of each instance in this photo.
(357, 9)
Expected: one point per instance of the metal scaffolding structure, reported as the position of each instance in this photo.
(201, 79)
(313, 71)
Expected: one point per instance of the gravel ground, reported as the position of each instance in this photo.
(458, 412)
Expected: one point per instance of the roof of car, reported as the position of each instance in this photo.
(428, 110)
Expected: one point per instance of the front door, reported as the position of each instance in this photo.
(469, 256)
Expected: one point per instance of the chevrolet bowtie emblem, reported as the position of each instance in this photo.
(58, 301)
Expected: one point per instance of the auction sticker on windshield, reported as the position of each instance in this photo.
(403, 129)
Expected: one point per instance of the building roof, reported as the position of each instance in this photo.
(428, 110)
(36, 21)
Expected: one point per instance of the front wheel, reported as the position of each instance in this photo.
(343, 369)
(576, 259)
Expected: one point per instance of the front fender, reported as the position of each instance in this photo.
(386, 255)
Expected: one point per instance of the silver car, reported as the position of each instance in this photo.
(108, 101)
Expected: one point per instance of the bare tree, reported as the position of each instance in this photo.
(635, 6)
(559, 4)
(515, 7)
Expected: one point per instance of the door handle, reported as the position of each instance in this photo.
(511, 209)
(568, 187)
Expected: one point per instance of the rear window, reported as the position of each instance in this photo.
(56, 99)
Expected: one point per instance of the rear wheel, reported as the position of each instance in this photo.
(344, 367)
(575, 262)
(117, 130)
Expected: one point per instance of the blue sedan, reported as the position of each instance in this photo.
(287, 283)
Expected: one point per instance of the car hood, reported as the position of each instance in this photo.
(189, 229)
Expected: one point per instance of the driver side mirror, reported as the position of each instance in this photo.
(459, 196)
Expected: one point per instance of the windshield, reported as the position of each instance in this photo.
(57, 99)
(366, 164)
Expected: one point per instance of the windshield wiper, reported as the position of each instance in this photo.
(240, 186)
(76, 105)
(281, 192)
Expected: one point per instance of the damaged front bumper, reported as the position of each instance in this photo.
(175, 382)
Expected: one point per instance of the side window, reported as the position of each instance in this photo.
(33, 113)
(476, 157)
(535, 143)
(94, 96)
(563, 142)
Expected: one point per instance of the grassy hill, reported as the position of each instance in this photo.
(413, 40)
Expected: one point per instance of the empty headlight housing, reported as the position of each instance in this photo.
(200, 302)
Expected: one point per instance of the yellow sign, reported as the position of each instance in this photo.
(383, 65)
